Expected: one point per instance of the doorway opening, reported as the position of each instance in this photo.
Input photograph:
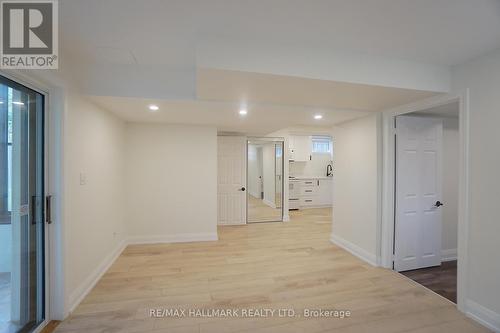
(265, 167)
(426, 197)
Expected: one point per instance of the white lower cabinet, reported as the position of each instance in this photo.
(316, 192)
(309, 191)
(325, 192)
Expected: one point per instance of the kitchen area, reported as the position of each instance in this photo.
(310, 159)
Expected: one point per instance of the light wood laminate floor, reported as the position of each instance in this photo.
(271, 265)
(5, 296)
(258, 211)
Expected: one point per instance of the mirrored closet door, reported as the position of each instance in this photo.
(265, 180)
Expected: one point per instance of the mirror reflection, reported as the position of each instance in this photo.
(265, 180)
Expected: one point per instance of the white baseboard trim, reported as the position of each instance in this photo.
(269, 203)
(315, 206)
(79, 293)
(482, 315)
(286, 218)
(176, 238)
(449, 255)
(354, 250)
(255, 195)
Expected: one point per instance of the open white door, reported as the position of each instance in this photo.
(418, 192)
(231, 189)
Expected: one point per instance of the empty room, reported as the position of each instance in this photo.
(249, 166)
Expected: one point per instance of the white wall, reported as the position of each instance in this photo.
(451, 162)
(356, 186)
(482, 77)
(315, 167)
(171, 182)
(323, 64)
(94, 218)
(5, 247)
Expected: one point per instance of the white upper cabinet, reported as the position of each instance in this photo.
(300, 148)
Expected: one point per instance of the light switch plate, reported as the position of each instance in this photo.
(83, 178)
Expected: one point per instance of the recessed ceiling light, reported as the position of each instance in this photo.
(318, 116)
(18, 103)
(153, 107)
(243, 112)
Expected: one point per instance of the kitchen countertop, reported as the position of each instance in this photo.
(310, 177)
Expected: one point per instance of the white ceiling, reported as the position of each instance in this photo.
(128, 54)
(261, 118)
(450, 110)
(166, 32)
(273, 102)
(242, 87)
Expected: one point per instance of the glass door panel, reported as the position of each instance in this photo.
(22, 227)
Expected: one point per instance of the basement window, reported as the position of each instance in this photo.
(321, 144)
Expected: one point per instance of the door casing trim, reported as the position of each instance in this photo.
(386, 231)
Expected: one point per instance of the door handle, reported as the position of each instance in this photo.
(438, 204)
(33, 209)
(48, 209)
(242, 189)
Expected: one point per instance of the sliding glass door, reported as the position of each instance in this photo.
(22, 196)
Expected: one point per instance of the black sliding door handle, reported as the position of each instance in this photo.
(48, 209)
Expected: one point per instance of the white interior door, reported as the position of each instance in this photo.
(231, 189)
(418, 192)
